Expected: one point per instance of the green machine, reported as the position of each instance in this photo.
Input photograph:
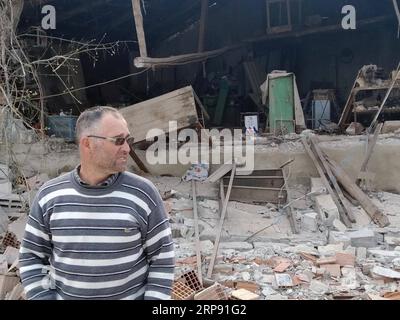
(281, 104)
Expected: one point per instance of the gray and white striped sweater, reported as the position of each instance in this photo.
(111, 242)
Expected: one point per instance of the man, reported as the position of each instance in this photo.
(98, 232)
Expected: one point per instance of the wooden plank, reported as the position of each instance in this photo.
(332, 178)
(396, 9)
(221, 192)
(221, 223)
(156, 113)
(196, 229)
(370, 208)
(196, 97)
(258, 181)
(137, 13)
(220, 172)
(289, 208)
(221, 196)
(298, 109)
(349, 104)
(137, 160)
(255, 77)
(328, 187)
(147, 62)
(255, 173)
(371, 146)
(202, 28)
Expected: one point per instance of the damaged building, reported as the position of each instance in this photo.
(271, 129)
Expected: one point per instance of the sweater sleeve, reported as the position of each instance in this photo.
(159, 248)
(34, 255)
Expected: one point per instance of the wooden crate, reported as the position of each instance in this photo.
(178, 105)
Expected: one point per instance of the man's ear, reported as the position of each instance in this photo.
(85, 143)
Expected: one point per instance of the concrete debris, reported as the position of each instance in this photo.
(326, 260)
(318, 287)
(396, 263)
(283, 280)
(327, 209)
(363, 238)
(385, 272)
(338, 225)
(361, 253)
(330, 249)
(317, 186)
(309, 221)
(336, 237)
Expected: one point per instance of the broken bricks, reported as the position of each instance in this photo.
(214, 292)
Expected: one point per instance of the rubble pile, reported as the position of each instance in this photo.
(14, 205)
(325, 261)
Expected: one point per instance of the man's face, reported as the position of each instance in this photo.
(108, 157)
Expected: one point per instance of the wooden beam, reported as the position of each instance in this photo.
(221, 223)
(396, 9)
(221, 193)
(147, 62)
(349, 103)
(220, 172)
(326, 183)
(332, 178)
(137, 14)
(371, 146)
(370, 208)
(289, 208)
(201, 105)
(196, 229)
(202, 27)
(137, 160)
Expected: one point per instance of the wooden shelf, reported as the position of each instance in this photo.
(385, 110)
(358, 89)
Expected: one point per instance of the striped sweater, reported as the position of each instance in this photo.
(104, 242)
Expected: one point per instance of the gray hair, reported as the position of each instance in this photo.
(90, 118)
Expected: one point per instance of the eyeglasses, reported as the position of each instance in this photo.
(118, 141)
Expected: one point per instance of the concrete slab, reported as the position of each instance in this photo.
(327, 209)
(317, 186)
(362, 238)
(309, 221)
